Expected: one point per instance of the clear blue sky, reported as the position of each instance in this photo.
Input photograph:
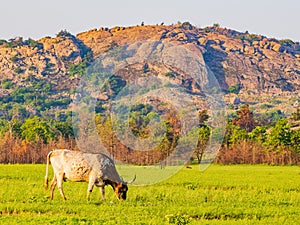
(39, 18)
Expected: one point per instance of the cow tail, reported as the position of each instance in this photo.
(47, 170)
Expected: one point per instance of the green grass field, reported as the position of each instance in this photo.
(242, 194)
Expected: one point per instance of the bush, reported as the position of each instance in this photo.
(77, 69)
(64, 33)
(14, 42)
(265, 106)
(270, 117)
(296, 115)
(248, 37)
(18, 70)
(32, 43)
(207, 29)
(286, 42)
(15, 59)
(234, 89)
(2, 41)
(32, 68)
(7, 84)
(187, 26)
(170, 74)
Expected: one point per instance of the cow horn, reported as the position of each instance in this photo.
(131, 181)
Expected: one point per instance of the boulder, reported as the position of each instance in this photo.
(202, 41)
(249, 50)
(277, 47)
(182, 37)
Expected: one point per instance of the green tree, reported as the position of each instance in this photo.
(237, 134)
(16, 127)
(63, 129)
(295, 140)
(234, 134)
(4, 127)
(259, 134)
(204, 134)
(34, 128)
(280, 135)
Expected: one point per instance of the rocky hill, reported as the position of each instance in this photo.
(254, 62)
(250, 68)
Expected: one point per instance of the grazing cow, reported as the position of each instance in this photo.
(96, 169)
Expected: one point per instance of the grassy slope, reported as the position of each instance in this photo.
(241, 194)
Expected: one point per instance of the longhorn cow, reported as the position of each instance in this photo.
(95, 168)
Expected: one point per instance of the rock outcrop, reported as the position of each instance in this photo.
(256, 63)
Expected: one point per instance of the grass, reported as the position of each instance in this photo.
(236, 194)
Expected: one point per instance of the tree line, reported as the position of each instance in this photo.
(246, 140)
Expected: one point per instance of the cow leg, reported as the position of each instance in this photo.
(53, 184)
(103, 192)
(90, 189)
(60, 178)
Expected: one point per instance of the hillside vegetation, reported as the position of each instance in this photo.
(258, 75)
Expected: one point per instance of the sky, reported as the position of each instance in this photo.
(40, 18)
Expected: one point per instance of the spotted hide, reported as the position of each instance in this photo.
(97, 169)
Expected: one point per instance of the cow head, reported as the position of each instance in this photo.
(121, 191)
(122, 188)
